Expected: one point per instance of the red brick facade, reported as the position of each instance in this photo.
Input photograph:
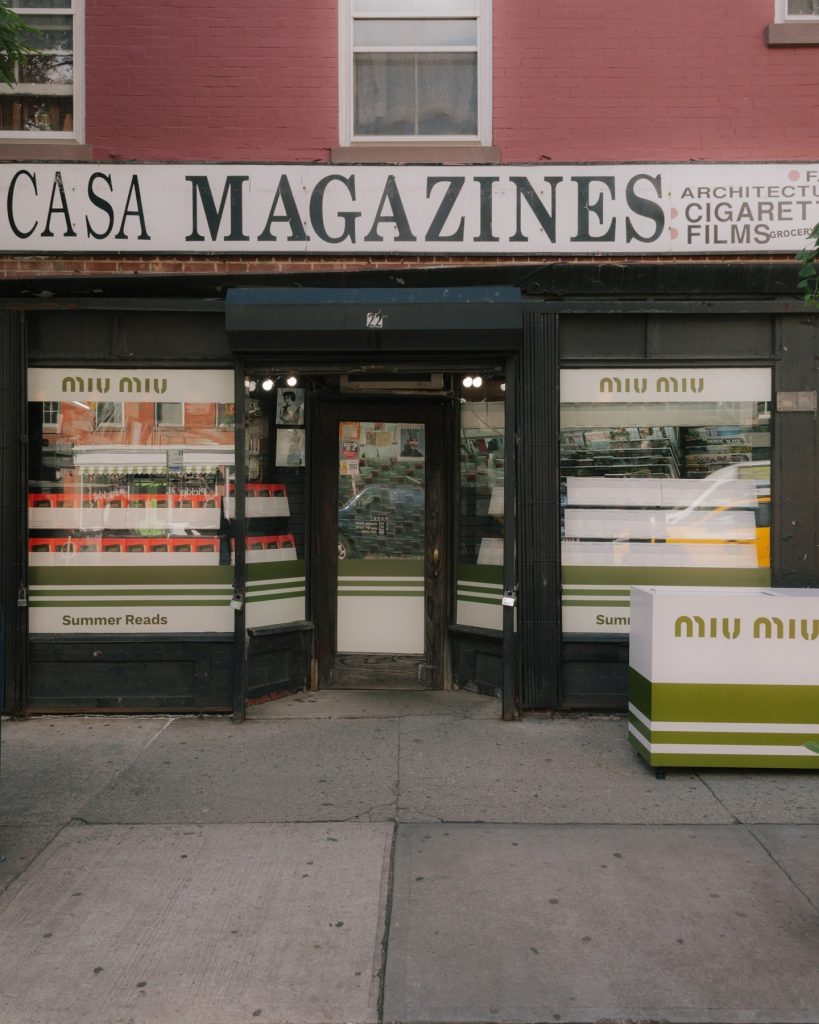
(596, 81)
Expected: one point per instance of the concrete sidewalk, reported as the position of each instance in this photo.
(363, 856)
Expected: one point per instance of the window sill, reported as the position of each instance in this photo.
(449, 153)
(14, 149)
(793, 34)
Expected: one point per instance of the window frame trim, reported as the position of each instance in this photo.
(346, 51)
(76, 9)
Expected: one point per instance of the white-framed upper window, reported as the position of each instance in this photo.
(415, 71)
(46, 100)
(51, 416)
(797, 10)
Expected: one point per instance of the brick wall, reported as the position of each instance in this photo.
(593, 81)
(210, 80)
(648, 81)
(22, 268)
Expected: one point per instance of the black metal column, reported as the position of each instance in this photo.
(13, 476)
(538, 514)
(511, 681)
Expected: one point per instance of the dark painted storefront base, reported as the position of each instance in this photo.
(131, 675)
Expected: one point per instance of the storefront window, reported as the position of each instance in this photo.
(481, 493)
(127, 532)
(665, 479)
(275, 466)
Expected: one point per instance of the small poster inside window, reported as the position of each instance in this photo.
(412, 441)
(290, 445)
(290, 407)
(349, 450)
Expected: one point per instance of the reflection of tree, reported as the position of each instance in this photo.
(16, 39)
(48, 68)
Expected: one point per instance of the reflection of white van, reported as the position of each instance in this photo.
(734, 507)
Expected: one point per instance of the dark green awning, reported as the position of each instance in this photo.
(373, 309)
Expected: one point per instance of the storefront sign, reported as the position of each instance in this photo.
(637, 386)
(292, 209)
(110, 385)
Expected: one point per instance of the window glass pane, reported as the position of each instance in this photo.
(481, 497)
(47, 69)
(803, 8)
(418, 32)
(447, 94)
(55, 32)
(671, 490)
(416, 94)
(33, 112)
(28, 5)
(41, 99)
(51, 415)
(170, 414)
(107, 415)
(415, 6)
(385, 94)
(125, 520)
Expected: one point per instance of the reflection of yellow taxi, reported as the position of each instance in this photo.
(743, 517)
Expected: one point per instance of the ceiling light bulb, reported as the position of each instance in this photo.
(503, 385)
(477, 382)
(267, 384)
(292, 381)
(467, 382)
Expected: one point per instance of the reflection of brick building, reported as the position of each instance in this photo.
(509, 192)
(135, 423)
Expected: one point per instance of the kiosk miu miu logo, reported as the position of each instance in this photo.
(102, 385)
(696, 627)
(663, 385)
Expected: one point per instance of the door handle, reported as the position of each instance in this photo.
(436, 562)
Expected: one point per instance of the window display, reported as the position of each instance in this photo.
(126, 516)
(665, 479)
(481, 521)
(275, 458)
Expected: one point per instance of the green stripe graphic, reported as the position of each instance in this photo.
(725, 702)
(221, 602)
(680, 576)
(124, 574)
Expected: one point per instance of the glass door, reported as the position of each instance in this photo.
(386, 613)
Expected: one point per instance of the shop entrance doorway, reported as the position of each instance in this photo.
(380, 559)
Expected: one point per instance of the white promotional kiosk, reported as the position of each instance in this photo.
(724, 677)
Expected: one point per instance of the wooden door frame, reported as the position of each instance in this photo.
(328, 411)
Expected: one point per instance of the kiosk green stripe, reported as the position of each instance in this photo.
(765, 729)
(724, 702)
